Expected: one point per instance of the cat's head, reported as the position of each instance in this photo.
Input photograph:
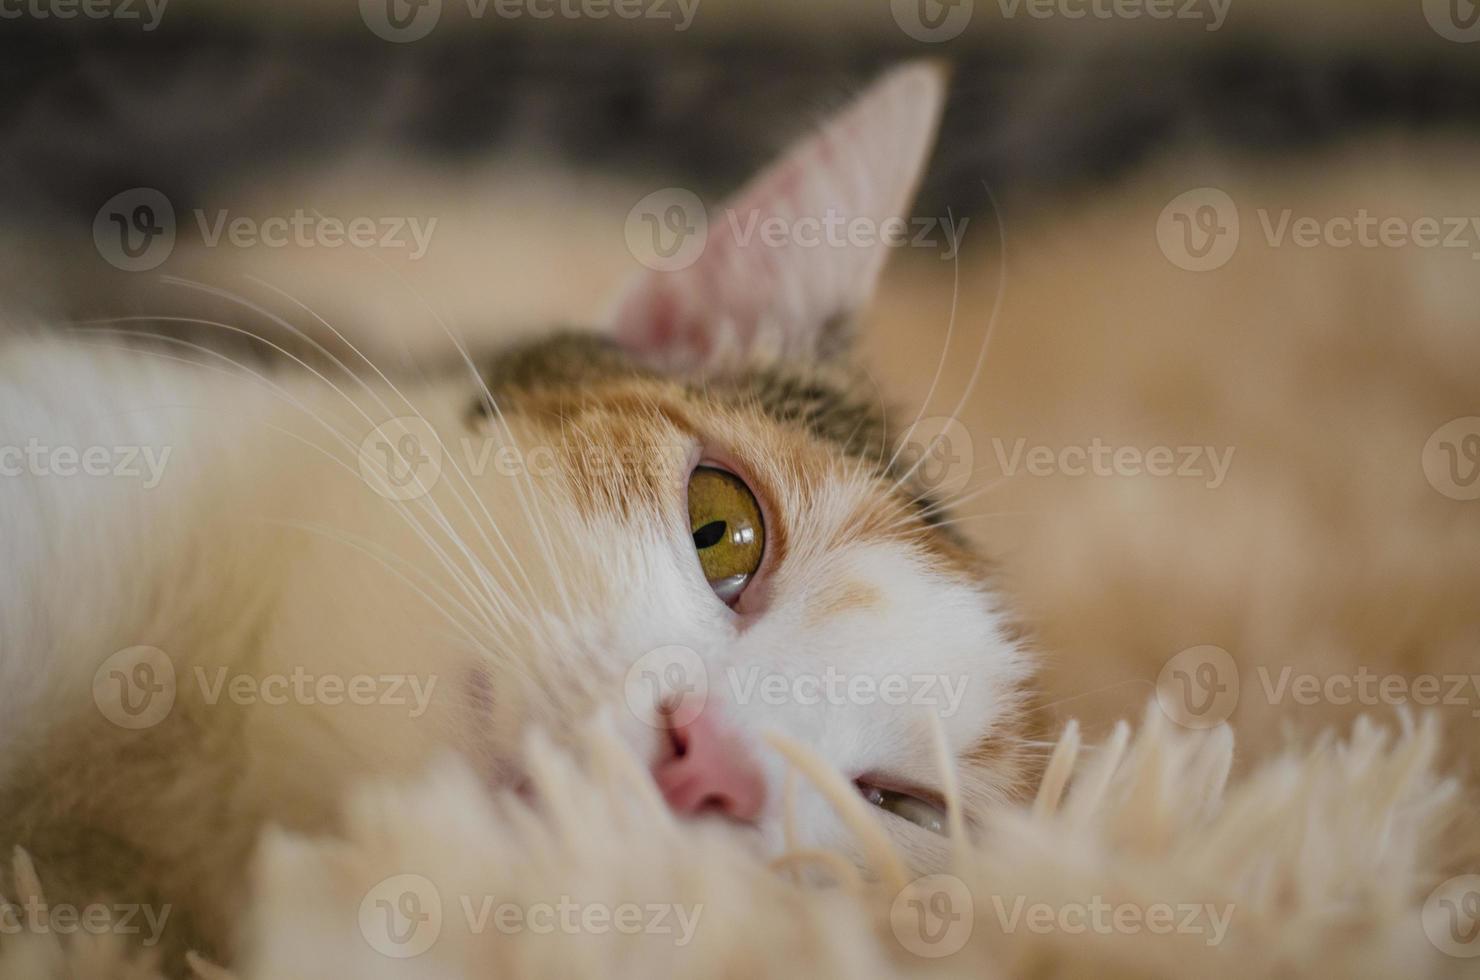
(751, 554)
(715, 539)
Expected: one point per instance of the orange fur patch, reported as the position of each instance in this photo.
(837, 598)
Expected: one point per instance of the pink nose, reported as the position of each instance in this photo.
(709, 770)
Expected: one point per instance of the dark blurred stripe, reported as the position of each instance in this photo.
(89, 108)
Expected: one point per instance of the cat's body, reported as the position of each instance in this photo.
(321, 577)
(195, 566)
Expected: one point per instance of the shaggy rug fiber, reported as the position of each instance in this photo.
(1138, 857)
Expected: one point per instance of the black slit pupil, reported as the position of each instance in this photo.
(709, 535)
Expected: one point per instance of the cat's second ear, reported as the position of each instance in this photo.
(795, 252)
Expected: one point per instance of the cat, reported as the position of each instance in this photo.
(232, 593)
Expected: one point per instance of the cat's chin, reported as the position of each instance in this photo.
(754, 840)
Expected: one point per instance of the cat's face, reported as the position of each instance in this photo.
(738, 557)
(722, 544)
(698, 527)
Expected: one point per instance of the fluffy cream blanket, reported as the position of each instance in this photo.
(1137, 858)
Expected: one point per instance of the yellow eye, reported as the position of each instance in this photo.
(729, 535)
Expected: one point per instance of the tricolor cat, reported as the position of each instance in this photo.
(691, 525)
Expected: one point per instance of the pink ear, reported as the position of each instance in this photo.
(771, 275)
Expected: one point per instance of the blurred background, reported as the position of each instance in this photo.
(1239, 234)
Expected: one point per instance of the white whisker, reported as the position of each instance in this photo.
(282, 394)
